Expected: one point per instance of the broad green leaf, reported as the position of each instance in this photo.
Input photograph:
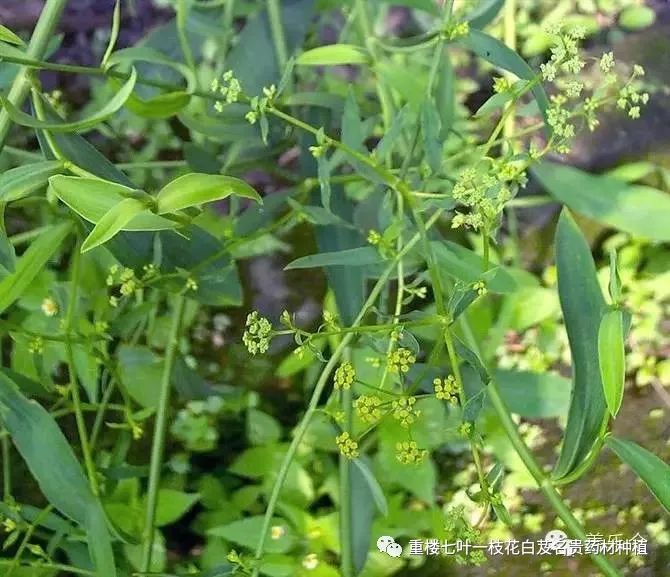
(639, 210)
(109, 109)
(195, 189)
(140, 372)
(362, 256)
(6, 35)
(112, 222)
(534, 395)
(173, 505)
(654, 472)
(612, 359)
(333, 55)
(498, 54)
(373, 485)
(92, 199)
(262, 429)
(246, 533)
(465, 265)
(485, 13)
(55, 468)
(31, 263)
(583, 306)
(23, 180)
(637, 17)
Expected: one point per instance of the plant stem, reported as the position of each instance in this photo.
(72, 370)
(346, 504)
(316, 395)
(158, 445)
(42, 35)
(182, 19)
(6, 470)
(542, 480)
(278, 37)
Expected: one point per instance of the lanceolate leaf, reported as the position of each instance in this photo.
(495, 52)
(6, 35)
(485, 12)
(92, 199)
(334, 54)
(195, 189)
(654, 472)
(54, 466)
(612, 359)
(31, 263)
(639, 210)
(19, 182)
(362, 256)
(112, 222)
(583, 306)
(114, 104)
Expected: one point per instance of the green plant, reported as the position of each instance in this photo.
(407, 203)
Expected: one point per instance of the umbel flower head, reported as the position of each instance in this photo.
(347, 446)
(344, 376)
(257, 334)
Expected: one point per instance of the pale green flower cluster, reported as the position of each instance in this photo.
(258, 333)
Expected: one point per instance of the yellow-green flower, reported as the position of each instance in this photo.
(344, 375)
(347, 446)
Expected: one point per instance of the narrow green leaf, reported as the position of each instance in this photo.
(92, 199)
(109, 109)
(55, 468)
(639, 210)
(426, 5)
(583, 306)
(373, 485)
(496, 101)
(7, 253)
(112, 222)
(195, 189)
(612, 359)
(23, 180)
(498, 54)
(6, 35)
(162, 105)
(31, 263)
(114, 33)
(333, 55)
(362, 256)
(430, 132)
(485, 13)
(654, 472)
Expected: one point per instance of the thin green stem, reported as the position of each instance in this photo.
(550, 492)
(320, 386)
(42, 35)
(6, 469)
(158, 445)
(16, 561)
(72, 370)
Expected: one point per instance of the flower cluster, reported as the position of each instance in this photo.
(230, 90)
(368, 408)
(457, 30)
(565, 53)
(344, 376)
(458, 528)
(400, 360)
(408, 453)
(630, 96)
(259, 104)
(404, 411)
(258, 333)
(49, 307)
(446, 389)
(484, 191)
(347, 446)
